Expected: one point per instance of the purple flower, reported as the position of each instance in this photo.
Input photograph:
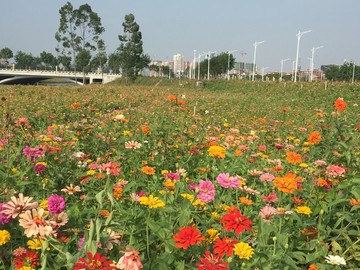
(227, 181)
(32, 153)
(4, 219)
(56, 204)
(206, 191)
(39, 168)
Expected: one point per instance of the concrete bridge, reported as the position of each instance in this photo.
(19, 76)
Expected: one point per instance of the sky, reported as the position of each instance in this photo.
(171, 27)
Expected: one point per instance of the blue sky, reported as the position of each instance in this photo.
(170, 27)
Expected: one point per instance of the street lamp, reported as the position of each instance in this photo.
(199, 64)
(228, 71)
(194, 67)
(313, 50)
(299, 35)
(254, 62)
(242, 55)
(281, 67)
(353, 73)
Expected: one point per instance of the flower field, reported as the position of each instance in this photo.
(235, 175)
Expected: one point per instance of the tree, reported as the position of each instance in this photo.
(78, 33)
(48, 60)
(100, 58)
(114, 62)
(131, 56)
(24, 60)
(82, 61)
(6, 53)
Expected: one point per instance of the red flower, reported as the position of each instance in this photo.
(96, 262)
(27, 258)
(340, 104)
(211, 262)
(224, 246)
(233, 220)
(188, 236)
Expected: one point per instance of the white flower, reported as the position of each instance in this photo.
(335, 260)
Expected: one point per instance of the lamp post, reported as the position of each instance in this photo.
(242, 55)
(194, 66)
(199, 65)
(353, 73)
(299, 35)
(281, 67)
(254, 62)
(313, 50)
(228, 71)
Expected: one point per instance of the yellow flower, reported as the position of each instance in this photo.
(303, 210)
(90, 172)
(35, 243)
(216, 215)
(212, 235)
(191, 198)
(243, 250)
(4, 237)
(303, 165)
(14, 170)
(152, 202)
(217, 151)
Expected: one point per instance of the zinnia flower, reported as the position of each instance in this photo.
(95, 262)
(130, 260)
(267, 212)
(303, 210)
(34, 223)
(335, 171)
(206, 191)
(17, 206)
(243, 250)
(233, 220)
(217, 151)
(71, 189)
(26, 259)
(211, 262)
(35, 244)
(188, 236)
(132, 145)
(224, 246)
(314, 138)
(286, 183)
(227, 181)
(151, 201)
(56, 204)
(4, 219)
(4, 237)
(148, 170)
(293, 157)
(335, 260)
(267, 177)
(340, 104)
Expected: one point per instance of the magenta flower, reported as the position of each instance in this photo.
(56, 204)
(172, 176)
(4, 219)
(32, 153)
(206, 191)
(39, 168)
(227, 181)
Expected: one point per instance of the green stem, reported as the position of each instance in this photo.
(147, 236)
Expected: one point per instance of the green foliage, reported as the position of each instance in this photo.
(6, 53)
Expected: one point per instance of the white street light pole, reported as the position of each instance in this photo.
(199, 64)
(254, 62)
(299, 35)
(353, 73)
(209, 54)
(281, 67)
(228, 71)
(194, 66)
(313, 50)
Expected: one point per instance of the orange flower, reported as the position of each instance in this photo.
(172, 98)
(340, 104)
(217, 151)
(75, 105)
(105, 213)
(297, 200)
(148, 170)
(117, 192)
(287, 183)
(238, 153)
(245, 201)
(145, 130)
(355, 202)
(314, 138)
(313, 267)
(293, 157)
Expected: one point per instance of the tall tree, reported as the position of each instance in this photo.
(24, 60)
(48, 60)
(132, 58)
(6, 53)
(79, 31)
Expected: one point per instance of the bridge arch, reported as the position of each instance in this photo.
(31, 80)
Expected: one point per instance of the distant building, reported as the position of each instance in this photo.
(242, 68)
(179, 64)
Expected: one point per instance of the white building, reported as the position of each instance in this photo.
(179, 66)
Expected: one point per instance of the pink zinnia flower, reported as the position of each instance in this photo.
(39, 168)
(206, 191)
(110, 168)
(172, 176)
(32, 153)
(271, 198)
(59, 220)
(56, 204)
(17, 206)
(130, 260)
(71, 189)
(227, 181)
(267, 212)
(335, 171)
(35, 224)
(267, 177)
